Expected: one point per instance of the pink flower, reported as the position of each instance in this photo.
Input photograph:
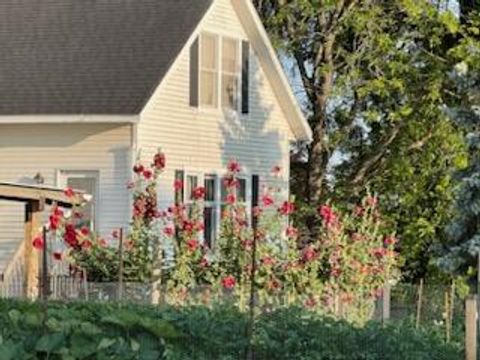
(233, 166)
(115, 234)
(268, 261)
(69, 192)
(287, 208)
(84, 231)
(231, 199)
(379, 252)
(159, 161)
(178, 185)
(267, 200)
(57, 256)
(38, 242)
(130, 185)
(276, 170)
(192, 245)
(327, 214)
(54, 222)
(390, 240)
(147, 174)
(229, 282)
(291, 232)
(138, 169)
(198, 193)
(230, 182)
(169, 231)
(70, 235)
(359, 210)
(309, 254)
(86, 244)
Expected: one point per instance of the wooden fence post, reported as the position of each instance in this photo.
(386, 303)
(419, 304)
(120, 266)
(471, 328)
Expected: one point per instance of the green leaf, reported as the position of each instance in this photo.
(50, 342)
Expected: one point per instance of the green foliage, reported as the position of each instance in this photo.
(80, 331)
(94, 331)
(387, 122)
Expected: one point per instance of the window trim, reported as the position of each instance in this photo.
(61, 180)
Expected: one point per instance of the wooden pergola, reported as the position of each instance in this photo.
(35, 197)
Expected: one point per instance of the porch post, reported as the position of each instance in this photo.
(33, 210)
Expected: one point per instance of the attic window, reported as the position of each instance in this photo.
(208, 70)
(219, 73)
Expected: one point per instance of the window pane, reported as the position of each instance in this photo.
(209, 52)
(208, 88)
(230, 91)
(210, 226)
(230, 56)
(242, 190)
(210, 181)
(89, 186)
(192, 183)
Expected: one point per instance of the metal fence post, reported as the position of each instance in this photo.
(471, 328)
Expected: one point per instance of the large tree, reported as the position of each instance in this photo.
(376, 80)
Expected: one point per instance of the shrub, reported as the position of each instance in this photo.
(106, 331)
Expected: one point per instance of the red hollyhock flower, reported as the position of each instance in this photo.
(178, 185)
(359, 210)
(292, 232)
(276, 170)
(309, 254)
(159, 161)
(230, 182)
(390, 240)
(130, 185)
(38, 242)
(233, 166)
(268, 261)
(229, 282)
(87, 244)
(57, 211)
(147, 174)
(273, 284)
(267, 200)
(192, 245)
(198, 193)
(70, 235)
(327, 214)
(379, 252)
(54, 222)
(169, 231)
(85, 231)
(231, 199)
(115, 234)
(69, 192)
(336, 272)
(138, 169)
(287, 208)
(57, 256)
(77, 215)
(102, 242)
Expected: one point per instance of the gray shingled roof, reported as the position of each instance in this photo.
(89, 56)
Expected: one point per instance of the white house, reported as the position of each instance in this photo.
(84, 85)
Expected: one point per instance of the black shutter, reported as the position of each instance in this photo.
(245, 76)
(194, 73)
(179, 176)
(255, 197)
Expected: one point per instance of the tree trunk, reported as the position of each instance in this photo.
(319, 153)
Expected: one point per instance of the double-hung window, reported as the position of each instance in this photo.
(219, 73)
(230, 74)
(209, 70)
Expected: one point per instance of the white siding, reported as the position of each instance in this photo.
(26, 150)
(205, 140)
